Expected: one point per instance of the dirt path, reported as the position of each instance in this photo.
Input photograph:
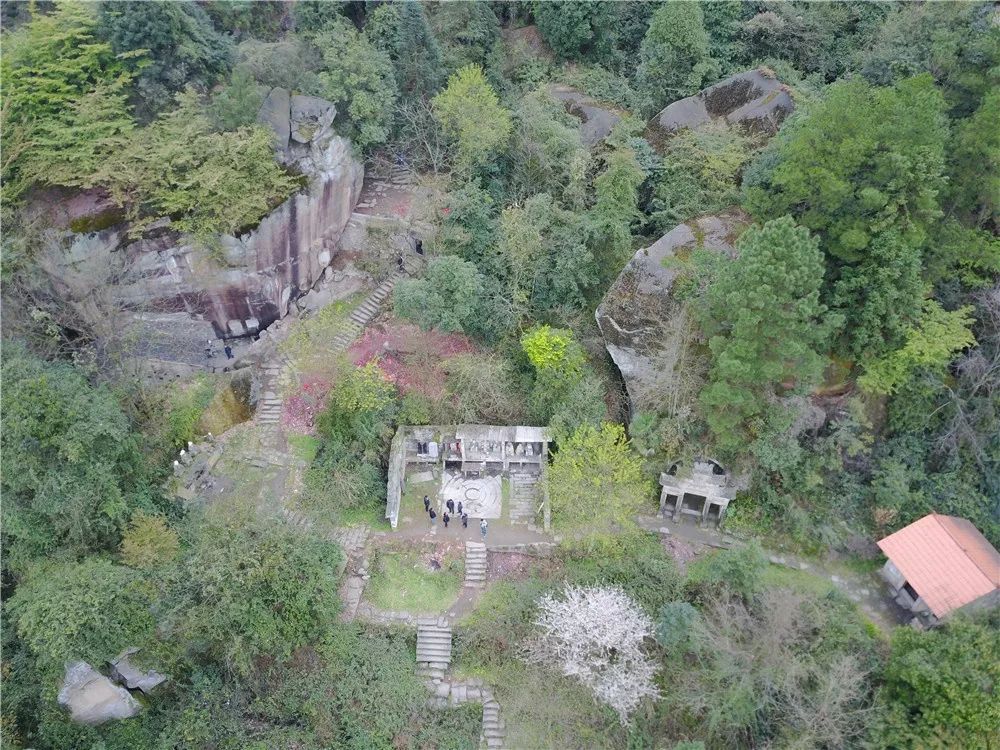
(865, 590)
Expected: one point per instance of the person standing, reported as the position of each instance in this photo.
(229, 351)
(483, 526)
(427, 504)
(451, 505)
(460, 508)
(434, 518)
(465, 520)
(446, 519)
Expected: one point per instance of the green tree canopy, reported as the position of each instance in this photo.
(576, 31)
(90, 610)
(766, 326)
(206, 182)
(251, 589)
(880, 297)
(79, 472)
(448, 298)
(674, 55)
(181, 46)
(470, 113)
(940, 687)
(860, 162)
(359, 79)
(64, 104)
(930, 345)
(596, 482)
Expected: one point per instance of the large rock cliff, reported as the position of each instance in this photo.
(646, 324)
(233, 286)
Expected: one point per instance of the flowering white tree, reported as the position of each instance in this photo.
(595, 634)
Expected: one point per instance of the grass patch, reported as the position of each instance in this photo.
(403, 580)
(304, 447)
(778, 576)
(370, 515)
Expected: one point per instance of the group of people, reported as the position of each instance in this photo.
(450, 513)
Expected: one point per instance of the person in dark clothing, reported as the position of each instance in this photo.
(446, 519)
(460, 508)
(465, 520)
(427, 503)
(419, 247)
(434, 518)
(229, 351)
(451, 505)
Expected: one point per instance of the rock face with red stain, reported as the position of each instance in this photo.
(186, 293)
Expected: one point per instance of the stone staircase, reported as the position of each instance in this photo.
(269, 405)
(475, 564)
(363, 313)
(523, 498)
(494, 728)
(433, 648)
(402, 176)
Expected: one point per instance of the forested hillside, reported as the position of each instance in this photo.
(824, 286)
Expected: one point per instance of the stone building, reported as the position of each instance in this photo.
(704, 491)
(465, 460)
(940, 565)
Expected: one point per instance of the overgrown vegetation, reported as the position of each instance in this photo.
(846, 362)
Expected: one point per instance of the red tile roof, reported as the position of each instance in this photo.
(946, 560)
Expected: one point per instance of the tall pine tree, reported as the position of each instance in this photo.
(766, 327)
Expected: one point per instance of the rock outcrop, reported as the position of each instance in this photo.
(125, 673)
(92, 698)
(754, 101)
(646, 327)
(596, 119)
(238, 285)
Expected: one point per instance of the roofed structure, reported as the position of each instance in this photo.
(940, 564)
(705, 491)
(471, 450)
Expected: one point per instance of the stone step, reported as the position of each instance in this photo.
(425, 640)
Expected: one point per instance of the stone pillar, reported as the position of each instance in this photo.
(678, 505)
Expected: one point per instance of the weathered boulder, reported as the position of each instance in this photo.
(646, 327)
(235, 286)
(275, 112)
(124, 673)
(755, 101)
(92, 698)
(309, 116)
(596, 119)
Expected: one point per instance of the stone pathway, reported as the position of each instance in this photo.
(475, 564)
(433, 663)
(433, 649)
(523, 498)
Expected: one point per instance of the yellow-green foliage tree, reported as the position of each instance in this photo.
(149, 542)
(469, 113)
(596, 483)
(930, 345)
(64, 100)
(206, 182)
